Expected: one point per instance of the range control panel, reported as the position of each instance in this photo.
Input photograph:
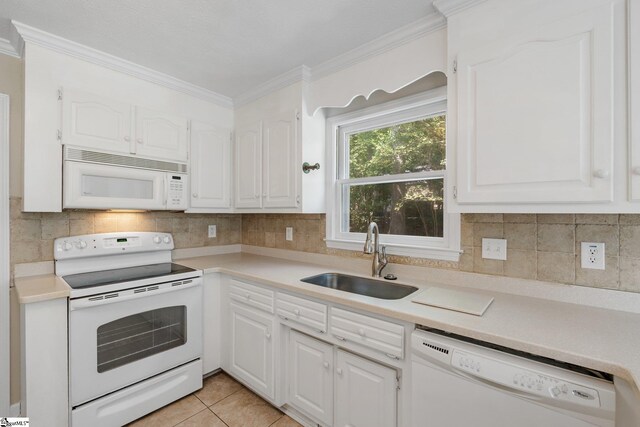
(518, 378)
(92, 245)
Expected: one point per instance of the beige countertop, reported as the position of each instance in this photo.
(598, 338)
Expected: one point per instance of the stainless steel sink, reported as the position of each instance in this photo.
(361, 285)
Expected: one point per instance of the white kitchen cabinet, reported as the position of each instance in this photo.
(211, 327)
(248, 172)
(310, 376)
(266, 163)
(251, 349)
(93, 121)
(365, 392)
(634, 100)
(279, 145)
(536, 105)
(210, 166)
(160, 135)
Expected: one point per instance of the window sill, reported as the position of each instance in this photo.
(443, 254)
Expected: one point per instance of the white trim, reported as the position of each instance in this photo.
(77, 50)
(5, 275)
(14, 410)
(301, 73)
(451, 7)
(7, 48)
(432, 22)
(447, 248)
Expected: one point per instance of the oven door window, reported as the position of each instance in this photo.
(141, 335)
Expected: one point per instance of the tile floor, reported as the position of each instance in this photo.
(221, 402)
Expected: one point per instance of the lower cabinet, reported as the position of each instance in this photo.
(251, 348)
(364, 392)
(311, 376)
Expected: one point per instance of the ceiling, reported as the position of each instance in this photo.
(227, 46)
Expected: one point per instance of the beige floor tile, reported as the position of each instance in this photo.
(245, 409)
(204, 418)
(171, 414)
(216, 388)
(286, 422)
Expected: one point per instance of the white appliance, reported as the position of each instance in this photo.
(460, 384)
(97, 180)
(135, 325)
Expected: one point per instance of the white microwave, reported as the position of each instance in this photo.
(96, 180)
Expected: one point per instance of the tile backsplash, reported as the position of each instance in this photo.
(542, 247)
(32, 234)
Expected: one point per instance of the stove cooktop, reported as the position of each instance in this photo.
(121, 275)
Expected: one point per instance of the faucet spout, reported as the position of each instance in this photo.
(372, 246)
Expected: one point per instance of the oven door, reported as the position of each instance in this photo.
(116, 341)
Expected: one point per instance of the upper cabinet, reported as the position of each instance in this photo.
(537, 111)
(93, 121)
(97, 122)
(210, 167)
(160, 135)
(274, 137)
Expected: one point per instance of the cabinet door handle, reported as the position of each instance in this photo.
(326, 365)
(338, 337)
(392, 356)
(601, 173)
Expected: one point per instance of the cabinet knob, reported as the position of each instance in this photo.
(326, 365)
(195, 195)
(296, 312)
(257, 196)
(126, 138)
(139, 140)
(268, 335)
(248, 297)
(636, 170)
(339, 371)
(601, 173)
(361, 332)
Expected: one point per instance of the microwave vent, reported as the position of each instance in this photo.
(88, 156)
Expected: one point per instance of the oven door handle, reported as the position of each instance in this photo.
(131, 294)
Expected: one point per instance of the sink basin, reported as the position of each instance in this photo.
(361, 285)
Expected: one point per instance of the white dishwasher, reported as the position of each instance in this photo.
(457, 383)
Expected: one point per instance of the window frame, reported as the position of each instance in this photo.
(404, 110)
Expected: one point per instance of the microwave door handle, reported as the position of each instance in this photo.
(165, 187)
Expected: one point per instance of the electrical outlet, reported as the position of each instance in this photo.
(592, 255)
(212, 231)
(288, 234)
(494, 249)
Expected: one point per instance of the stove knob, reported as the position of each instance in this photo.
(81, 244)
(66, 246)
(157, 240)
(167, 239)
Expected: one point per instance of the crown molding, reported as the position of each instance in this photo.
(301, 73)
(432, 22)
(451, 7)
(77, 50)
(12, 46)
(6, 48)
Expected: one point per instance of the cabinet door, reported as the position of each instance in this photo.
(210, 166)
(280, 171)
(96, 122)
(311, 376)
(251, 352)
(249, 166)
(366, 392)
(536, 113)
(160, 135)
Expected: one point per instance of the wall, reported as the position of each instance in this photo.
(540, 247)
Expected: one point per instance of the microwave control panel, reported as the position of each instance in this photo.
(177, 192)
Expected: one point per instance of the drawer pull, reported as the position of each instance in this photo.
(392, 356)
(283, 317)
(320, 331)
(296, 312)
(326, 365)
(339, 371)
(340, 338)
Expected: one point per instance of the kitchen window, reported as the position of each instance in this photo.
(388, 165)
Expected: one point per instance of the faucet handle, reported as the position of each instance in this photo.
(383, 254)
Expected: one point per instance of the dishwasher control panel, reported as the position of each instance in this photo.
(518, 378)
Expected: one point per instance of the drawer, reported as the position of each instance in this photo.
(376, 334)
(302, 311)
(251, 295)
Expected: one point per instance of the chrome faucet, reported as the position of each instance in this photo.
(372, 246)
